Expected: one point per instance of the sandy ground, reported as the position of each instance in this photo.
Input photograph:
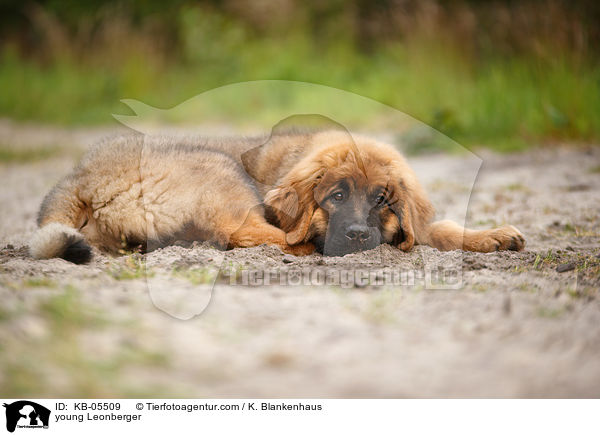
(523, 324)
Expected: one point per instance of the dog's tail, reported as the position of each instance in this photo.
(61, 213)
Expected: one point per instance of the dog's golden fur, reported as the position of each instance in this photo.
(151, 191)
(330, 157)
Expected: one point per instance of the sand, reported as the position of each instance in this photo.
(504, 324)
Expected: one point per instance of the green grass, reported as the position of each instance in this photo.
(527, 288)
(197, 276)
(39, 282)
(547, 260)
(61, 363)
(550, 313)
(14, 155)
(29, 283)
(502, 103)
(66, 313)
(131, 267)
(517, 187)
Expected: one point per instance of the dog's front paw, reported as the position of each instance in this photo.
(300, 250)
(502, 239)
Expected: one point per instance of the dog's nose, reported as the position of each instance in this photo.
(358, 233)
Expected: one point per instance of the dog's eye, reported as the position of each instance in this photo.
(380, 199)
(338, 196)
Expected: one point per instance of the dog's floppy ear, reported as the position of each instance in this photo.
(411, 206)
(293, 201)
(293, 214)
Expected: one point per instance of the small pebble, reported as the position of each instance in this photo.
(565, 267)
(288, 259)
(578, 187)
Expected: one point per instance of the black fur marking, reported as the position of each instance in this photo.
(78, 253)
(319, 242)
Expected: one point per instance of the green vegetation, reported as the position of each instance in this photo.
(66, 313)
(13, 155)
(527, 288)
(570, 230)
(39, 282)
(518, 187)
(58, 329)
(130, 267)
(549, 259)
(586, 266)
(527, 79)
(550, 313)
(197, 276)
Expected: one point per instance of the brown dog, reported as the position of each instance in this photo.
(299, 191)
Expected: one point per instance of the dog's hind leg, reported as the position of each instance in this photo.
(447, 235)
(257, 231)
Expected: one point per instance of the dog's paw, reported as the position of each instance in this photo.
(502, 239)
(300, 250)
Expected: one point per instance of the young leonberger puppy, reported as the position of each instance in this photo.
(325, 190)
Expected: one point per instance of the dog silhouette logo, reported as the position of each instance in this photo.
(26, 414)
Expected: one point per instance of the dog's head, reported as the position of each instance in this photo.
(350, 194)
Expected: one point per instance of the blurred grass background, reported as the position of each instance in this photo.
(501, 74)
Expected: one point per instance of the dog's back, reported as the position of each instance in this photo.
(130, 190)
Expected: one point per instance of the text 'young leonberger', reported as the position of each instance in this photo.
(327, 191)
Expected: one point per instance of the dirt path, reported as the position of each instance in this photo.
(515, 327)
